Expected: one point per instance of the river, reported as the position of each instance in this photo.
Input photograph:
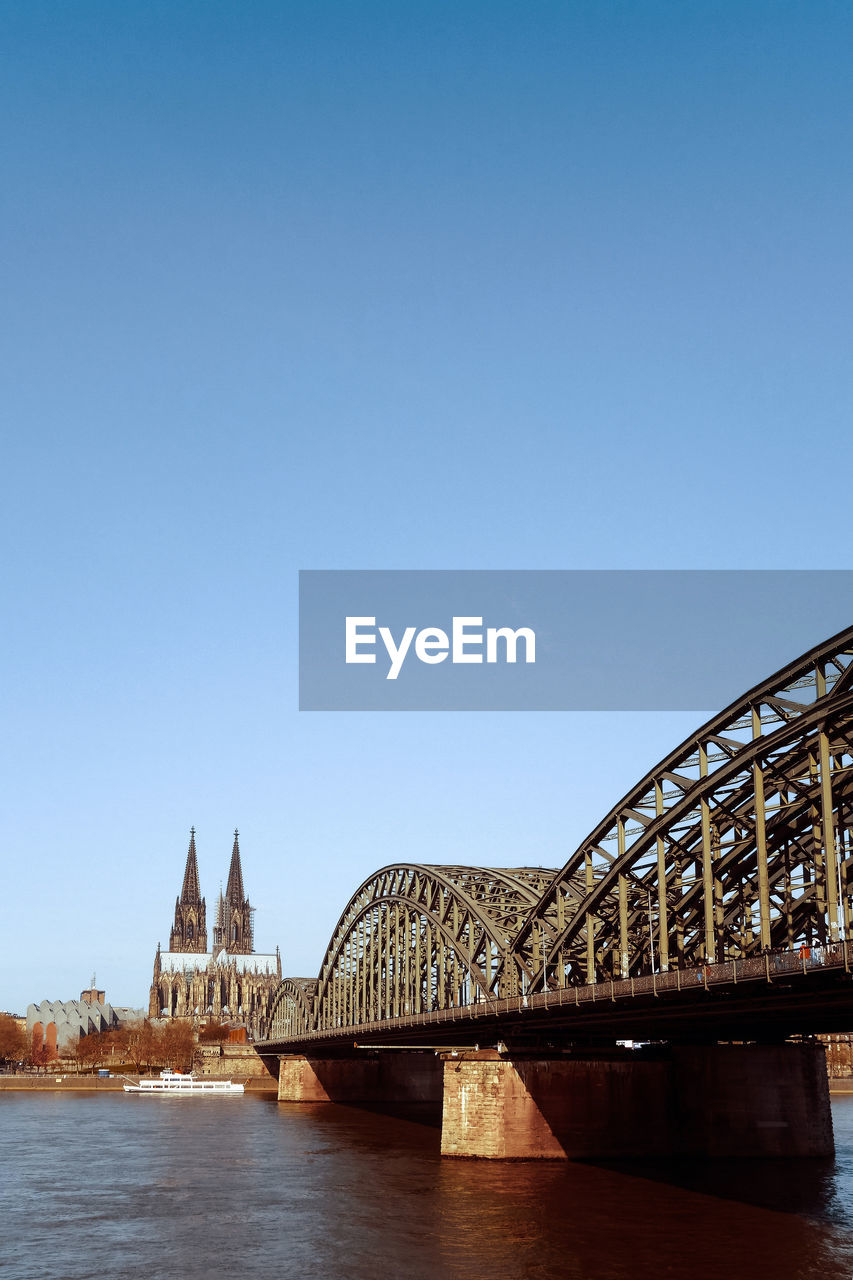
(183, 1188)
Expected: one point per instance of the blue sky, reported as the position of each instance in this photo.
(381, 286)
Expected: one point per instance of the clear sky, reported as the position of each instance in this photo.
(422, 285)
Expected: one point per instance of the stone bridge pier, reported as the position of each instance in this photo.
(373, 1076)
(710, 1101)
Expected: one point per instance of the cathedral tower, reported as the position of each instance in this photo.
(232, 983)
(233, 929)
(189, 932)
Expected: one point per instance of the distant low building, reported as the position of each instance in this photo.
(57, 1025)
(232, 981)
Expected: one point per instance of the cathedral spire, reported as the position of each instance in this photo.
(234, 895)
(189, 932)
(234, 928)
(191, 892)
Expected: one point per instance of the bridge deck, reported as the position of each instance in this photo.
(766, 997)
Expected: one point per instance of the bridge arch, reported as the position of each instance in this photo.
(741, 839)
(291, 1011)
(416, 937)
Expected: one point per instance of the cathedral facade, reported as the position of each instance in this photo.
(231, 981)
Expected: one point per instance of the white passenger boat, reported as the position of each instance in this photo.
(175, 1082)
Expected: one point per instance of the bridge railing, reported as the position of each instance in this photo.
(763, 968)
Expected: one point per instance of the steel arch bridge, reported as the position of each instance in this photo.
(413, 939)
(739, 842)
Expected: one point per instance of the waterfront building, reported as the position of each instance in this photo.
(230, 981)
(58, 1025)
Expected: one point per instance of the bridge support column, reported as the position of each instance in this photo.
(302, 1079)
(718, 1100)
(526, 1108)
(753, 1100)
(380, 1077)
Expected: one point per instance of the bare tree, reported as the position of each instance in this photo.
(214, 1033)
(13, 1041)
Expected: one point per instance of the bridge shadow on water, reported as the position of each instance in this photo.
(426, 1114)
(582, 1220)
(805, 1187)
(416, 1214)
(820, 1189)
(802, 1187)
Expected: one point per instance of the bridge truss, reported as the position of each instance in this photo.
(738, 843)
(292, 1008)
(416, 938)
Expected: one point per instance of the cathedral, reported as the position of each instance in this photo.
(232, 981)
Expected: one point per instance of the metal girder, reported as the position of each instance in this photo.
(292, 1009)
(415, 938)
(743, 837)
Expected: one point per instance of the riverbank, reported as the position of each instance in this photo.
(264, 1085)
(94, 1084)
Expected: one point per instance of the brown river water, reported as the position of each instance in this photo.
(170, 1188)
